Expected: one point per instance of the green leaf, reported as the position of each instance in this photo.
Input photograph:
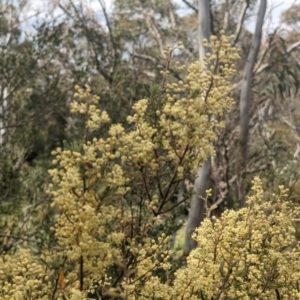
(221, 268)
(195, 93)
(44, 262)
(202, 296)
(66, 145)
(147, 89)
(154, 91)
(75, 146)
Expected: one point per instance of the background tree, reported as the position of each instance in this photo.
(202, 181)
(245, 91)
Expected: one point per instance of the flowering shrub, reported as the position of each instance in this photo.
(247, 254)
(112, 195)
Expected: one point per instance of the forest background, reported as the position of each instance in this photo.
(120, 52)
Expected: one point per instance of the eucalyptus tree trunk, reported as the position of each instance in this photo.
(202, 181)
(3, 112)
(245, 93)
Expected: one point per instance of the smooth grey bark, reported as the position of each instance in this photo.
(3, 112)
(201, 184)
(203, 26)
(246, 87)
(197, 208)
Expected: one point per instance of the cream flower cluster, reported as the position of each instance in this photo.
(247, 254)
(23, 276)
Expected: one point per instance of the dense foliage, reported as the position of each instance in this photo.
(103, 222)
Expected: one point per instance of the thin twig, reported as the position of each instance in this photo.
(190, 6)
(175, 205)
(110, 33)
(81, 273)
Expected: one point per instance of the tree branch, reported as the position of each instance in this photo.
(241, 21)
(110, 33)
(190, 6)
(289, 50)
(246, 87)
